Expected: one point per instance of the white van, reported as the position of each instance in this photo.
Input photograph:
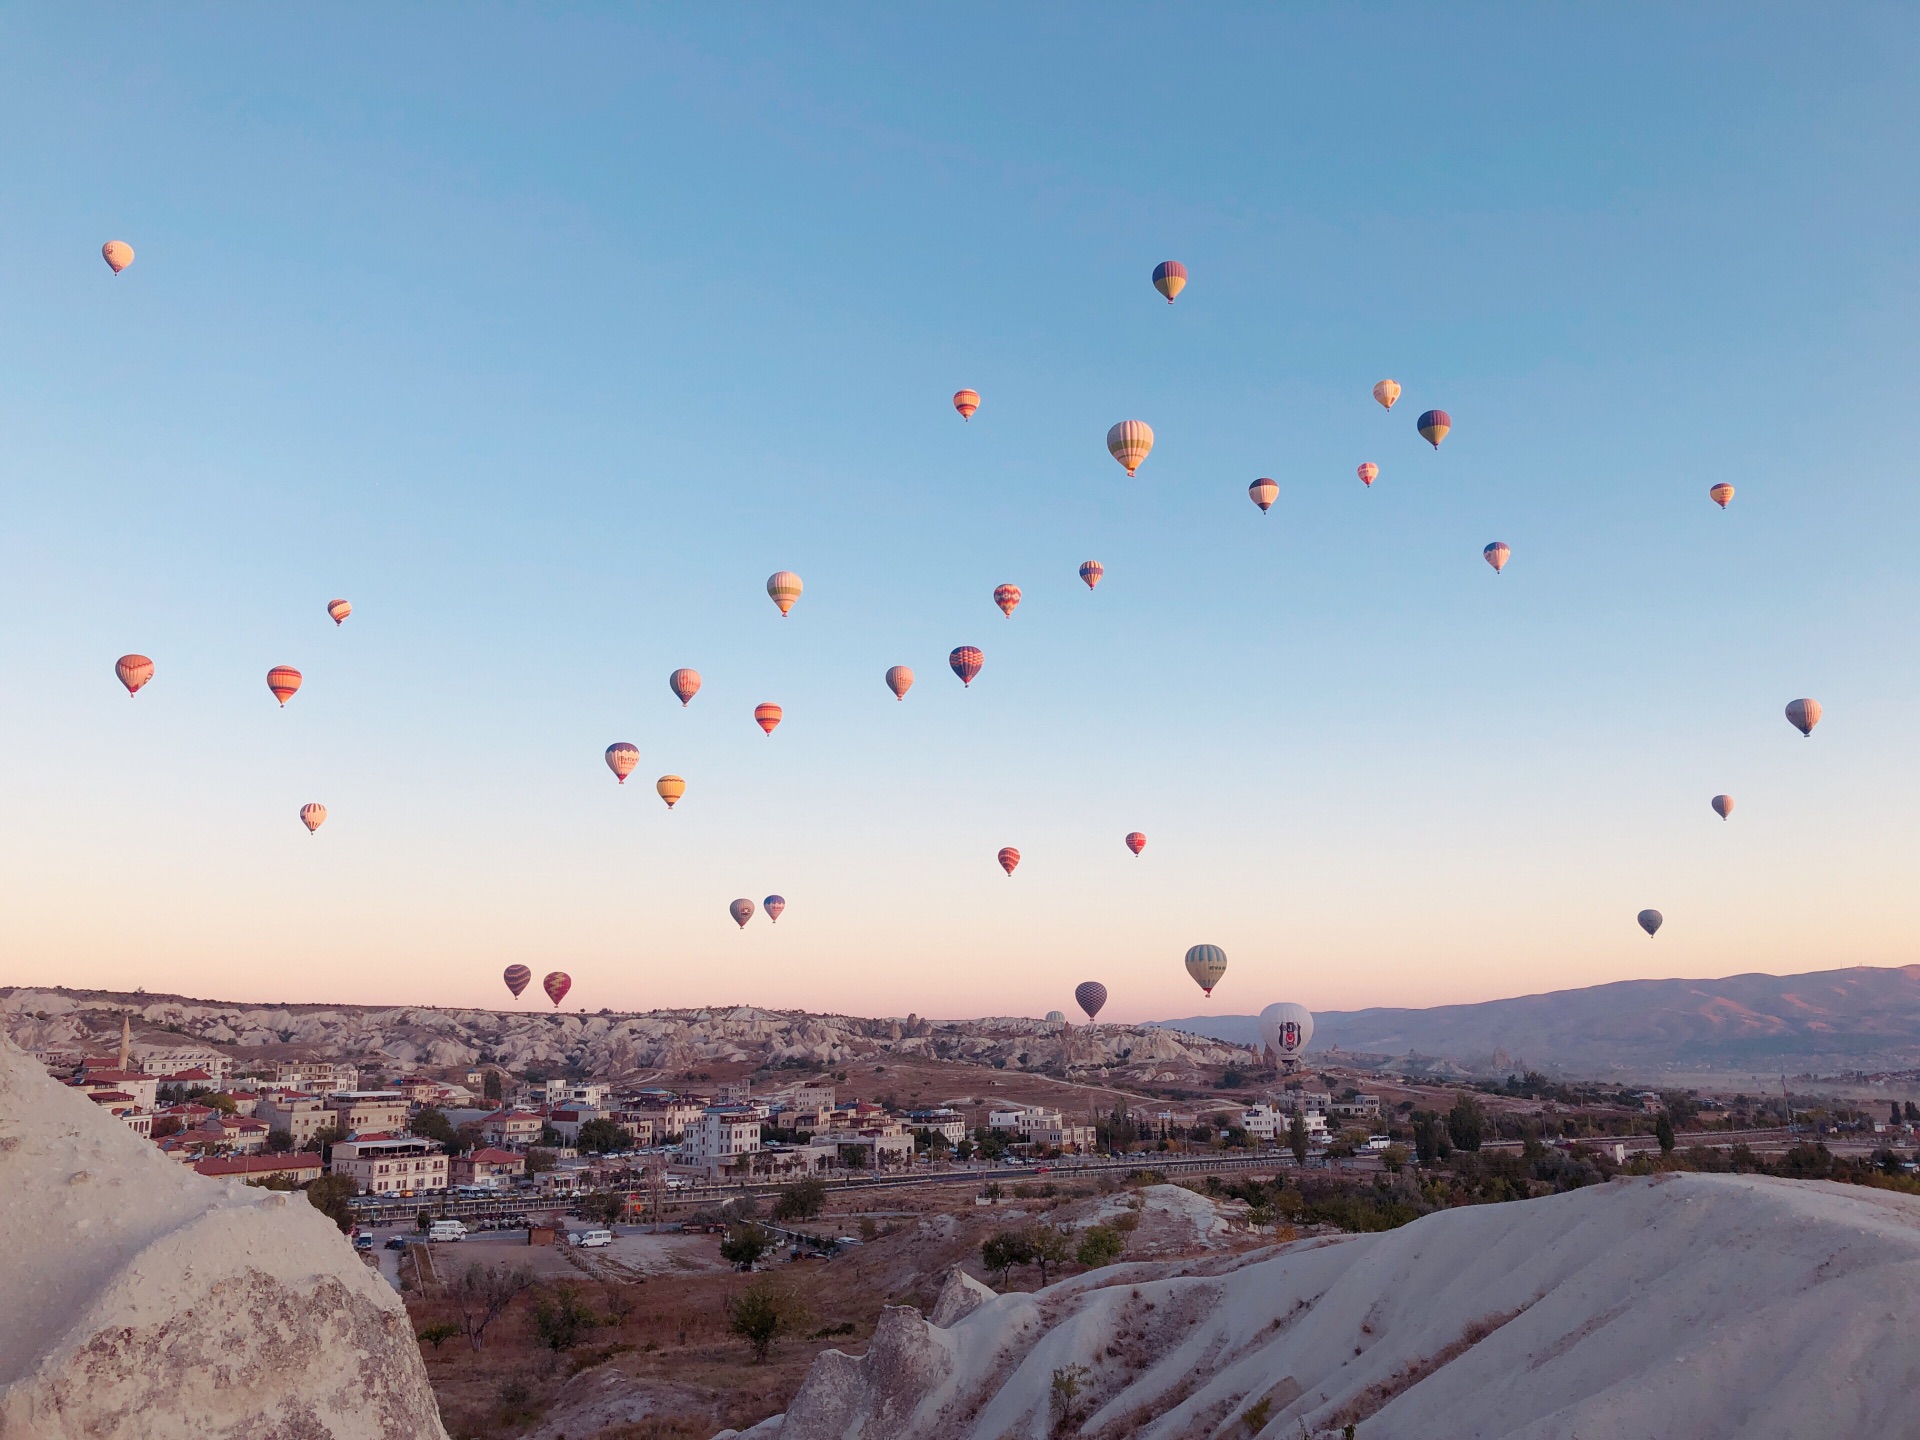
(590, 1239)
(446, 1230)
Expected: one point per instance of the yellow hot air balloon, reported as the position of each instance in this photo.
(784, 586)
(1720, 494)
(1386, 392)
(118, 255)
(313, 817)
(339, 610)
(966, 402)
(671, 788)
(1129, 442)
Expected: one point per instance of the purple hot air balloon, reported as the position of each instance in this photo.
(773, 905)
(742, 911)
(518, 977)
(1090, 995)
(965, 662)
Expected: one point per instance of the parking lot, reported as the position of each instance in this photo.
(634, 1254)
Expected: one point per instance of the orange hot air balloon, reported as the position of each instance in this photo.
(768, 716)
(1007, 597)
(622, 756)
(742, 911)
(785, 587)
(1368, 473)
(134, 671)
(556, 985)
(965, 661)
(339, 610)
(966, 402)
(1091, 571)
(1720, 494)
(118, 255)
(899, 680)
(1386, 392)
(283, 681)
(1263, 492)
(1136, 842)
(685, 684)
(518, 977)
(671, 788)
(1009, 857)
(1129, 442)
(313, 817)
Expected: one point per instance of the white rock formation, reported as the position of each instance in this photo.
(960, 1296)
(1704, 1306)
(140, 1301)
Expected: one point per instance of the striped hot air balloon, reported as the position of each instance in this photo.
(966, 402)
(1386, 392)
(556, 985)
(785, 587)
(742, 911)
(134, 671)
(685, 684)
(1129, 442)
(339, 610)
(965, 661)
(1007, 597)
(899, 680)
(767, 715)
(1091, 571)
(1136, 842)
(118, 255)
(1434, 425)
(283, 681)
(773, 905)
(1206, 964)
(1090, 995)
(1723, 805)
(518, 977)
(1263, 493)
(670, 788)
(1009, 858)
(313, 817)
(1803, 715)
(1720, 494)
(1651, 921)
(1368, 473)
(622, 756)
(1170, 278)
(1496, 555)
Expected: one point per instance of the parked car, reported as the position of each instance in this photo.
(363, 1242)
(590, 1239)
(398, 1242)
(445, 1230)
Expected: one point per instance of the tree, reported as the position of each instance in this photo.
(329, 1195)
(1004, 1250)
(273, 1182)
(551, 1138)
(801, 1200)
(433, 1124)
(1394, 1158)
(491, 1086)
(1663, 1132)
(279, 1142)
(1100, 1245)
(540, 1161)
(166, 1125)
(601, 1136)
(438, 1332)
(1894, 1117)
(1048, 1247)
(763, 1312)
(561, 1317)
(1430, 1139)
(482, 1293)
(1297, 1136)
(1466, 1122)
(746, 1243)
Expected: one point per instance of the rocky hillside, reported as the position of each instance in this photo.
(662, 1041)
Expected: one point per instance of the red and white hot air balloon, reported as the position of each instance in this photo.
(1368, 473)
(685, 684)
(966, 402)
(283, 681)
(899, 680)
(1386, 392)
(134, 671)
(767, 716)
(1007, 597)
(556, 985)
(1009, 858)
(965, 661)
(1263, 493)
(622, 756)
(313, 817)
(1129, 442)
(338, 610)
(1091, 571)
(784, 587)
(1136, 842)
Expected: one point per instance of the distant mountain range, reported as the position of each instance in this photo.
(1858, 1019)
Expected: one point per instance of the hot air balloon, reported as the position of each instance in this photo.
(518, 977)
(1263, 492)
(767, 716)
(556, 985)
(1286, 1029)
(283, 680)
(134, 671)
(1090, 995)
(965, 661)
(1056, 1017)
(622, 756)
(339, 610)
(774, 904)
(685, 684)
(1091, 571)
(1129, 442)
(1007, 597)
(118, 255)
(1170, 278)
(742, 911)
(1496, 555)
(1206, 964)
(899, 680)
(1650, 921)
(966, 402)
(670, 788)
(1434, 425)
(784, 586)
(1720, 494)
(1723, 805)
(313, 817)
(1804, 715)
(1009, 858)
(1368, 473)
(1386, 392)
(1136, 842)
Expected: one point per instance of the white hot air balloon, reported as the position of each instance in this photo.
(1286, 1030)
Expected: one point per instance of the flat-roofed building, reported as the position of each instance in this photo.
(316, 1077)
(391, 1164)
(365, 1112)
(300, 1116)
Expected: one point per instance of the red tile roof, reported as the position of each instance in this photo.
(259, 1164)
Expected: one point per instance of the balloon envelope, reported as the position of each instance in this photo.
(1170, 278)
(1090, 995)
(1286, 1029)
(742, 911)
(1009, 858)
(1129, 441)
(1496, 555)
(118, 255)
(785, 587)
(1263, 493)
(899, 680)
(1650, 920)
(670, 788)
(966, 402)
(134, 671)
(1803, 715)
(1206, 964)
(774, 905)
(621, 758)
(685, 684)
(1007, 597)
(1136, 842)
(339, 610)
(1091, 571)
(966, 661)
(1386, 392)
(1723, 805)
(313, 817)
(556, 985)
(518, 977)
(1056, 1017)
(1721, 494)
(1368, 473)
(283, 680)
(767, 716)
(1434, 426)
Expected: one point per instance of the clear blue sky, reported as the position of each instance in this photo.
(545, 335)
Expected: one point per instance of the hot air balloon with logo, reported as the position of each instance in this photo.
(283, 681)
(685, 684)
(518, 977)
(1496, 555)
(1091, 571)
(1723, 805)
(1720, 494)
(1129, 442)
(767, 715)
(1263, 492)
(1386, 392)
(1368, 473)
(899, 681)
(1803, 715)
(622, 756)
(134, 671)
(742, 911)
(1206, 964)
(965, 661)
(1651, 921)
(1090, 995)
(1136, 842)
(1286, 1029)
(773, 905)
(118, 255)
(338, 610)
(670, 788)
(1170, 278)
(1007, 597)
(556, 985)
(1009, 859)
(784, 587)
(966, 402)
(1433, 426)
(313, 817)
